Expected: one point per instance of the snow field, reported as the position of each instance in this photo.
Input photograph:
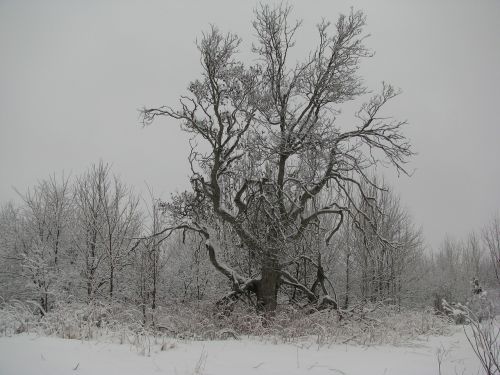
(29, 354)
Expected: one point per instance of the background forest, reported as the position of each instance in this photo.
(78, 241)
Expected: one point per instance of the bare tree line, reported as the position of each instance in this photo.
(89, 239)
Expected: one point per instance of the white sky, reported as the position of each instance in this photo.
(74, 73)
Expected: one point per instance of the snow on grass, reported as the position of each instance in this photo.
(30, 354)
(369, 324)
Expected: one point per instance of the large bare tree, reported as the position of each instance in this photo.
(266, 142)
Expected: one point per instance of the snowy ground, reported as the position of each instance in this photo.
(29, 354)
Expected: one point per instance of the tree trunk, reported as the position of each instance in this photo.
(347, 281)
(111, 280)
(267, 288)
(45, 302)
(153, 292)
(89, 289)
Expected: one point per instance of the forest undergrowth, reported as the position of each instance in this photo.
(368, 324)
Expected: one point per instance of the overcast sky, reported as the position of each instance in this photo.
(74, 73)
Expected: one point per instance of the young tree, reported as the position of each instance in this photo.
(11, 253)
(388, 266)
(372, 270)
(45, 250)
(149, 262)
(491, 238)
(272, 144)
(107, 222)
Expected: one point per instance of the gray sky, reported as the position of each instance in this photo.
(74, 73)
